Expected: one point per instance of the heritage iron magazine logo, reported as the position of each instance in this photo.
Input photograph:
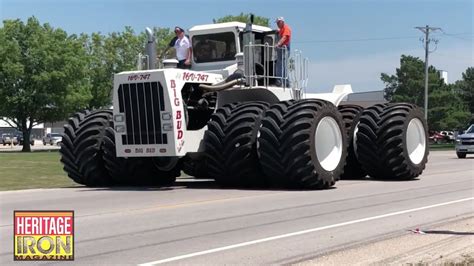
(43, 235)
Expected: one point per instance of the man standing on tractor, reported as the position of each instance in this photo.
(183, 49)
(283, 51)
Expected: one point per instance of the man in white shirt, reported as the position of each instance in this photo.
(183, 49)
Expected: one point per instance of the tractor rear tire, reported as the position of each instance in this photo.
(351, 116)
(81, 148)
(230, 144)
(134, 171)
(302, 144)
(392, 141)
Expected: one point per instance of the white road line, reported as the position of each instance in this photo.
(258, 241)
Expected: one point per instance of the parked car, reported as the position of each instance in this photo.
(52, 139)
(8, 139)
(449, 135)
(19, 137)
(465, 143)
(437, 138)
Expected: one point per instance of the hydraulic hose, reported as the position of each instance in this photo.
(223, 86)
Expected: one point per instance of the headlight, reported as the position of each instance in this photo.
(458, 141)
(120, 129)
(118, 118)
(166, 116)
(167, 127)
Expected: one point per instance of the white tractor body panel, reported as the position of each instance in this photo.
(149, 116)
(335, 97)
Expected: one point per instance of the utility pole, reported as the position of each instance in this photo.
(426, 30)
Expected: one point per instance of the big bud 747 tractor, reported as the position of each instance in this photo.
(226, 119)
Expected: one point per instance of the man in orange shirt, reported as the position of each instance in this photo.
(283, 51)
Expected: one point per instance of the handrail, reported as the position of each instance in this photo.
(295, 65)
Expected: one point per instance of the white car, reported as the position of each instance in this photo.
(52, 139)
(465, 143)
(449, 134)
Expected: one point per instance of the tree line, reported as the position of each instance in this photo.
(450, 106)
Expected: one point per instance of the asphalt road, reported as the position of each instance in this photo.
(198, 223)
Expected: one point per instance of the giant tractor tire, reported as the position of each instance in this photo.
(135, 171)
(351, 116)
(81, 148)
(302, 144)
(230, 144)
(392, 141)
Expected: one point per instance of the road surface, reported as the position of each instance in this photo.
(195, 222)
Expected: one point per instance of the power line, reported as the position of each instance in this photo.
(360, 40)
(457, 36)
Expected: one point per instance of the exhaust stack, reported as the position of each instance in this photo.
(151, 49)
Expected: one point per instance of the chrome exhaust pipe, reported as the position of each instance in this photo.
(151, 49)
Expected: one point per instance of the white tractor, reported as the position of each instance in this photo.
(226, 119)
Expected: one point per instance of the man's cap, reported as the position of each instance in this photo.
(280, 19)
(178, 28)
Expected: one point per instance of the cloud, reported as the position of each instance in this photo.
(363, 73)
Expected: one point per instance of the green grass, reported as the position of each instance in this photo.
(441, 147)
(32, 170)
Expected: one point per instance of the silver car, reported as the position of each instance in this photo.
(8, 139)
(465, 143)
(52, 139)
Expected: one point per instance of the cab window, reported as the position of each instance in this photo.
(214, 47)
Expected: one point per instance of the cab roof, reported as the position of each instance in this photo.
(224, 25)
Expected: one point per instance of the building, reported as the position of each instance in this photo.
(37, 132)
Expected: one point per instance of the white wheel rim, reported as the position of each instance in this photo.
(328, 143)
(416, 141)
(354, 139)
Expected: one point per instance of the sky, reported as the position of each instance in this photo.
(346, 41)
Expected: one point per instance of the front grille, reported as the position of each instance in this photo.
(467, 142)
(142, 104)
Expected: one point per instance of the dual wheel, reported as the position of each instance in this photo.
(311, 144)
(89, 157)
(294, 144)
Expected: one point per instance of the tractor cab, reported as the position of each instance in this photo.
(215, 46)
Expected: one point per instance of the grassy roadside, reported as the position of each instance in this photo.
(442, 147)
(32, 170)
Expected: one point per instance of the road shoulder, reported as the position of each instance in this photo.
(447, 243)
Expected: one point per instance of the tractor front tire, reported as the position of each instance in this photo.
(230, 144)
(81, 148)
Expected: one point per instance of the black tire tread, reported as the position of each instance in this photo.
(380, 142)
(230, 144)
(284, 144)
(350, 116)
(81, 146)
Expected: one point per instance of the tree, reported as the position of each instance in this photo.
(446, 109)
(465, 87)
(114, 53)
(42, 74)
(258, 20)
(408, 84)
